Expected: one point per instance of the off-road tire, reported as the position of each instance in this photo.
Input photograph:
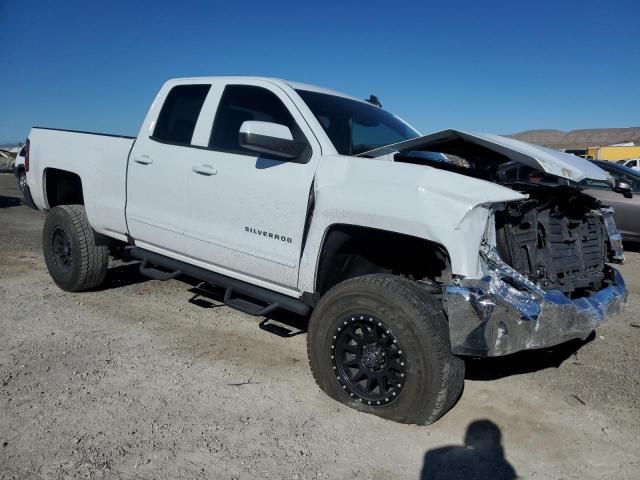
(88, 262)
(414, 316)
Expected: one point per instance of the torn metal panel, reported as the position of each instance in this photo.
(615, 238)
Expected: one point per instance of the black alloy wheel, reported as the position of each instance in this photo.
(61, 248)
(369, 361)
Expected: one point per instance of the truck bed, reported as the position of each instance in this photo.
(100, 160)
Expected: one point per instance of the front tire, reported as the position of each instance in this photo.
(73, 259)
(380, 344)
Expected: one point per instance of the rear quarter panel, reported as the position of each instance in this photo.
(101, 163)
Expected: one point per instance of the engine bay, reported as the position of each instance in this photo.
(556, 238)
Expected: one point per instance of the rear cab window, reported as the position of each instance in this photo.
(179, 114)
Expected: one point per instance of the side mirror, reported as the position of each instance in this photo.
(624, 188)
(271, 138)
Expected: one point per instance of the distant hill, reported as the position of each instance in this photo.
(589, 137)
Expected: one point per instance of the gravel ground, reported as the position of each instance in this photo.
(137, 381)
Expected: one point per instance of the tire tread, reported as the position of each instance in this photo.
(93, 259)
(431, 321)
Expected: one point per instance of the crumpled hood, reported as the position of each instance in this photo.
(550, 161)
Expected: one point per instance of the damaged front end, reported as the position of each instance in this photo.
(544, 274)
(506, 311)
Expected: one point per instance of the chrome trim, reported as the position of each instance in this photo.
(505, 312)
(615, 238)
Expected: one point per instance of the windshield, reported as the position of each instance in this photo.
(355, 127)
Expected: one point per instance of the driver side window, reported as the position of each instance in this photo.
(240, 103)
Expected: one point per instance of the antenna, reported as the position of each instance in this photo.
(373, 100)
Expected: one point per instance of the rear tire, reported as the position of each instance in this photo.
(22, 181)
(73, 259)
(403, 354)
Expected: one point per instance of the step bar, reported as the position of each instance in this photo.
(273, 300)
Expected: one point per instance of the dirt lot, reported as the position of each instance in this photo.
(136, 381)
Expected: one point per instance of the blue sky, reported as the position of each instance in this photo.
(490, 66)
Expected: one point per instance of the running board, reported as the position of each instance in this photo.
(156, 274)
(272, 300)
(247, 306)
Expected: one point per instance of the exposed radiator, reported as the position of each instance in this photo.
(553, 245)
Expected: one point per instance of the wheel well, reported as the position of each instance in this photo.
(63, 188)
(351, 251)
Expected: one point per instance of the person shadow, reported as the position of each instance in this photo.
(480, 458)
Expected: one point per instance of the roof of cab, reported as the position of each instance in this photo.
(241, 78)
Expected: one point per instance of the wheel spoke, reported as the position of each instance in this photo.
(352, 363)
(392, 375)
(372, 382)
(355, 349)
(383, 385)
(355, 337)
(362, 373)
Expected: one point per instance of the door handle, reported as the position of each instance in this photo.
(204, 170)
(143, 159)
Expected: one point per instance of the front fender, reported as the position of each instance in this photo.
(424, 202)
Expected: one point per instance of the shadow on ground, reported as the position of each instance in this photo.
(279, 322)
(8, 202)
(519, 363)
(123, 275)
(480, 458)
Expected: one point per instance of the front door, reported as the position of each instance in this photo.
(246, 211)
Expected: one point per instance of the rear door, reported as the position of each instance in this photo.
(246, 211)
(158, 166)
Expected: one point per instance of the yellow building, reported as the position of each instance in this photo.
(613, 152)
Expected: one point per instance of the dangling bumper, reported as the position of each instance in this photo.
(504, 312)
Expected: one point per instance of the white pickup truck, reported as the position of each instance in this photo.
(409, 251)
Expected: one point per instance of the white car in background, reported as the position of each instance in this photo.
(20, 171)
(633, 163)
